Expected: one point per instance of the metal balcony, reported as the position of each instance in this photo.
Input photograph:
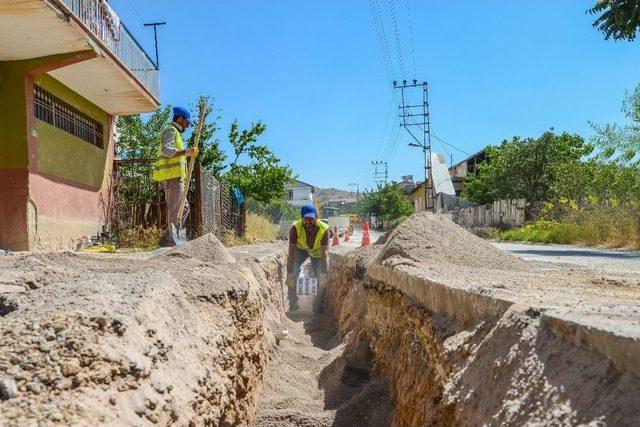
(105, 24)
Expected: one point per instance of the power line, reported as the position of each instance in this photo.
(378, 22)
(382, 37)
(413, 51)
(394, 19)
(386, 125)
(394, 144)
(136, 11)
(450, 145)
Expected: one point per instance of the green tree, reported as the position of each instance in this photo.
(211, 156)
(620, 144)
(387, 202)
(275, 211)
(261, 176)
(619, 19)
(138, 138)
(525, 168)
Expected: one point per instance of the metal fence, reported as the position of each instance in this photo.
(98, 16)
(139, 201)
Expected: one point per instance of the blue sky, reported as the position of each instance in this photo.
(313, 71)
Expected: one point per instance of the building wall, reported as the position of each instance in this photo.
(66, 156)
(300, 196)
(70, 179)
(14, 173)
(416, 197)
(51, 183)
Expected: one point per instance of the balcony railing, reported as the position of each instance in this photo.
(106, 25)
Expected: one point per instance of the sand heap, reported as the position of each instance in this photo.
(206, 248)
(125, 339)
(431, 239)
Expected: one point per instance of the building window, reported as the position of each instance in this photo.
(289, 194)
(51, 109)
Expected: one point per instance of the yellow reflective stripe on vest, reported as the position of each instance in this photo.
(164, 168)
(316, 250)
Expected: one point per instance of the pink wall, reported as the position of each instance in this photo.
(13, 209)
(67, 200)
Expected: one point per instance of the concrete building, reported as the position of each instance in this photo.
(416, 197)
(460, 170)
(67, 69)
(299, 193)
(407, 183)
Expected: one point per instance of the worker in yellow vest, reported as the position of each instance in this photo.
(308, 238)
(171, 169)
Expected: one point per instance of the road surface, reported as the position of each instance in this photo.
(617, 262)
(604, 261)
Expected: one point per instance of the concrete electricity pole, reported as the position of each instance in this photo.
(355, 184)
(408, 114)
(378, 176)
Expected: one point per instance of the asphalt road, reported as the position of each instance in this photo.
(614, 261)
(557, 256)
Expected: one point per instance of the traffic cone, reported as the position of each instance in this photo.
(336, 238)
(346, 236)
(366, 237)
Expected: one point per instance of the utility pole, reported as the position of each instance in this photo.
(155, 38)
(355, 184)
(407, 114)
(378, 176)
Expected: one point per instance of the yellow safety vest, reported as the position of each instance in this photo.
(316, 250)
(176, 167)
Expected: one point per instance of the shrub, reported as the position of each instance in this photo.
(259, 228)
(139, 237)
(613, 227)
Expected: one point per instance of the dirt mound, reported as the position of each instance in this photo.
(124, 339)
(431, 239)
(206, 248)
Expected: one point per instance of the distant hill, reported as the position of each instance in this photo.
(326, 195)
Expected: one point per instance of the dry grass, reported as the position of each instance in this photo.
(595, 227)
(259, 229)
(139, 238)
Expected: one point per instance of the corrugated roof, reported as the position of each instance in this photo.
(440, 174)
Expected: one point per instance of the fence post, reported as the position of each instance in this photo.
(221, 231)
(198, 201)
(158, 207)
(243, 219)
(113, 197)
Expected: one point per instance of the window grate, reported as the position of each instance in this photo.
(53, 110)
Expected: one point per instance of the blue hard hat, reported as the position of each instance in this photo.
(308, 211)
(182, 112)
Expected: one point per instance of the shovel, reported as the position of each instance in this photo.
(180, 234)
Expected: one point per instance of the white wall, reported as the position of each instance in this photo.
(301, 194)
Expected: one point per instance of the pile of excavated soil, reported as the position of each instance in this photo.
(206, 248)
(131, 339)
(430, 247)
(430, 239)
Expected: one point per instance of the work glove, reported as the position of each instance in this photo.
(193, 152)
(291, 281)
(323, 280)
